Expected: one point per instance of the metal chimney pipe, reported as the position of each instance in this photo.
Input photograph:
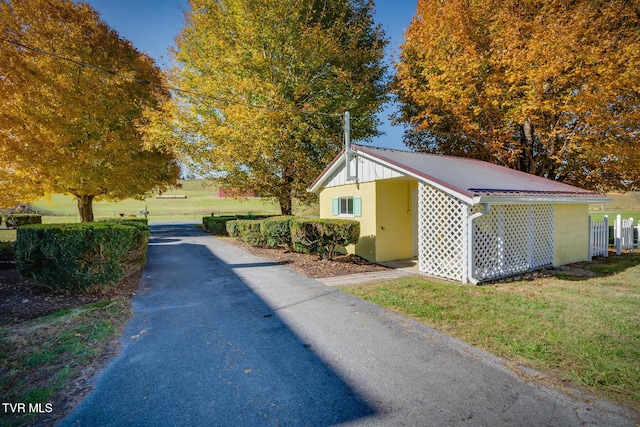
(347, 146)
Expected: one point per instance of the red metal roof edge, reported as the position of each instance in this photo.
(471, 192)
(412, 171)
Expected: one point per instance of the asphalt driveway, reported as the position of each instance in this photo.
(220, 337)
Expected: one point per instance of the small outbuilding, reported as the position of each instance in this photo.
(464, 219)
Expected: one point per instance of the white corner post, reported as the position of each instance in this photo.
(617, 234)
(591, 239)
(485, 209)
(606, 232)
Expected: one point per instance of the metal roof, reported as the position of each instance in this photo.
(472, 179)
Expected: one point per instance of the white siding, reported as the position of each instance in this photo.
(364, 169)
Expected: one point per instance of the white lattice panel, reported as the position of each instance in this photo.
(442, 226)
(511, 239)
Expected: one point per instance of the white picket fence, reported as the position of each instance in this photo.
(623, 236)
(598, 238)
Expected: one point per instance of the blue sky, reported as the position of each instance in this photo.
(152, 25)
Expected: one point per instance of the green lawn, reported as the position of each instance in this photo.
(47, 356)
(599, 216)
(201, 200)
(625, 204)
(583, 331)
(7, 235)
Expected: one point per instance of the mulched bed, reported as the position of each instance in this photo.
(311, 265)
(22, 299)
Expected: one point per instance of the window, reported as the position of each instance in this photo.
(347, 206)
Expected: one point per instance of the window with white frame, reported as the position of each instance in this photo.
(347, 206)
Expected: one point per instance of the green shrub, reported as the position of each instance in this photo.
(6, 249)
(18, 220)
(276, 231)
(76, 256)
(144, 221)
(136, 258)
(216, 225)
(323, 236)
(232, 228)
(249, 231)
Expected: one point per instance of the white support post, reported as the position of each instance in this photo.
(591, 239)
(630, 244)
(606, 233)
(617, 234)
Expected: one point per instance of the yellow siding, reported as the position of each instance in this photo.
(571, 234)
(366, 246)
(394, 220)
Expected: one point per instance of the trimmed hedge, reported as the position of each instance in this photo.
(6, 249)
(276, 231)
(249, 231)
(18, 220)
(76, 257)
(305, 235)
(231, 227)
(136, 258)
(216, 225)
(323, 236)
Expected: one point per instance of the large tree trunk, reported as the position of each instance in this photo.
(285, 204)
(85, 207)
(527, 130)
(284, 194)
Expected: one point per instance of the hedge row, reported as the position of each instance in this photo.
(75, 257)
(323, 236)
(217, 225)
(6, 249)
(136, 257)
(312, 236)
(18, 220)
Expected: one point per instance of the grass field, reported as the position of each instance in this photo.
(584, 331)
(201, 200)
(625, 204)
(7, 235)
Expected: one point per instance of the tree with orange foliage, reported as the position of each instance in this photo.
(546, 87)
(65, 126)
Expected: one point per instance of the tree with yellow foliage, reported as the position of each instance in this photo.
(264, 84)
(66, 126)
(549, 87)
